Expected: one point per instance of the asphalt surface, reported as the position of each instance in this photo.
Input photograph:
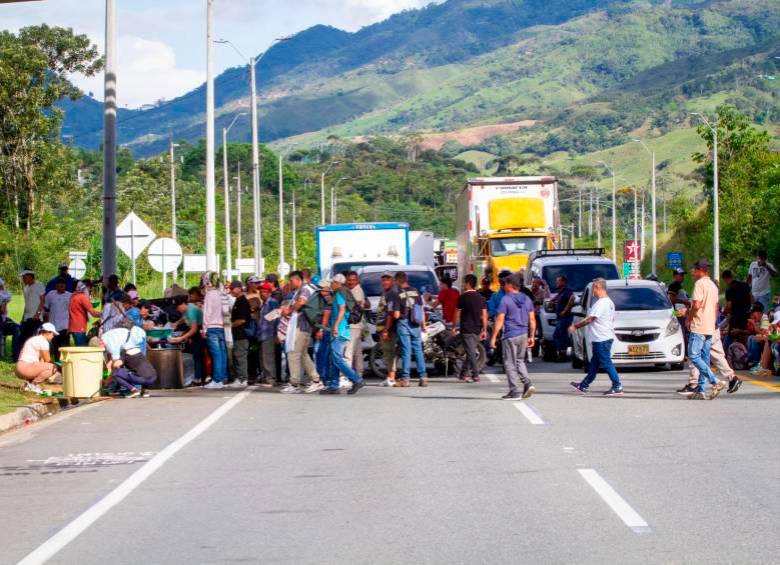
(444, 474)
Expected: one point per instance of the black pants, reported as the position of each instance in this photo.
(62, 340)
(137, 371)
(470, 363)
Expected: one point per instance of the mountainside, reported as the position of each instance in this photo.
(587, 72)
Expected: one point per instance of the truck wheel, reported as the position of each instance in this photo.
(549, 353)
(376, 360)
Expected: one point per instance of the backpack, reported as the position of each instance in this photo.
(411, 305)
(354, 310)
(737, 356)
(313, 308)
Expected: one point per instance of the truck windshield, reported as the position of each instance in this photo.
(639, 298)
(345, 266)
(424, 281)
(514, 245)
(579, 274)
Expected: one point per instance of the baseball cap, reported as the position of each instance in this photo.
(325, 285)
(26, 272)
(341, 279)
(680, 271)
(702, 264)
(49, 327)
(266, 286)
(253, 280)
(387, 275)
(236, 284)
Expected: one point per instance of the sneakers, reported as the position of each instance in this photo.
(356, 387)
(686, 390)
(401, 383)
(345, 383)
(33, 388)
(717, 388)
(512, 396)
(314, 386)
(134, 393)
(330, 391)
(145, 393)
(423, 382)
(214, 385)
(236, 384)
(614, 392)
(475, 379)
(579, 387)
(290, 389)
(698, 396)
(734, 385)
(528, 390)
(387, 382)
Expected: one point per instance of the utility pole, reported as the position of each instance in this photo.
(171, 157)
(109, 146)
(614, 211)
(211, 204)
(237, 178)
(590, 213)
(636, 217)
(281, 211)
(334, 199)
(294, 234)
(322, 192)
(256, 211)
(226, 175)
(642, 232)
(598, 222)
(579, 215)
(654, 238)
(715, 196)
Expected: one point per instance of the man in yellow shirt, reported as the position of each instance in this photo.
(702, 324)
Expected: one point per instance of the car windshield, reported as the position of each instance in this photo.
(424, 281)
(639, 298)
(579, 275)
(355, 265)
(513, 245)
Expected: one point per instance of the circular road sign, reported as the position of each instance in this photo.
(165, 255)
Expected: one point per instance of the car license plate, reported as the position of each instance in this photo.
(638, 349)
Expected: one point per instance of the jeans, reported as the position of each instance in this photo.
(514, 349)
(411, 343)
(469, 364)
(196, 347)
(699, 356)
(601, 357)
(755, 350)
(80, 339)
(9, 327)
(323, 361)
(241, 359)
(561, 333)
(764, 299)
(340, 364)
(215, 341)
(717, 360)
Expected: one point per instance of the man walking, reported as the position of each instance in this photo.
(354, 350)
(702, 325)
(339, 328)
(298, 360)
(515, 315)
(472, 320)
(601, 327)
(564, 301)
(240, 316)
(410, 323)
(386, 326)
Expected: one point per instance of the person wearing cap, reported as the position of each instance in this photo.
(240, 318)
(79, 311)
(354, 351)
(410, 323)
(386, 326)
(70, 282)
(57, 304)
(340, 337)
(35, 363)
(34, 296)
(702, 324)
(265, 333)
(8, 326)
(303, 373)
(679, 296)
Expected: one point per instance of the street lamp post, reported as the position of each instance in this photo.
(237, 178)
(281, 210)
(322, 191)
(171, 157)
(211, 205)
(226, 175)
(334, 200)
(653, 257)
(109, 146)
(715, 205)
(614, 211)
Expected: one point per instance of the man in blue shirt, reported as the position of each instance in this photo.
(496, 297)
(515, 315)
(340, 336)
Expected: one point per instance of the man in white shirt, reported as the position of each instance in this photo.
(759, 278)
(601, 330)
(57, 305)
(34, 293)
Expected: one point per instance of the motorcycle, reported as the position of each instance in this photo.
(442, 348)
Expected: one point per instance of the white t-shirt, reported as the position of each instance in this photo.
(58, 306)
(602, 328)
(32, 299)
(761, 279)
(31, 352)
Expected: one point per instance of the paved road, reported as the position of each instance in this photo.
(447, 474)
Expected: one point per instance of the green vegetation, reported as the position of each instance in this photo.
(11, 395)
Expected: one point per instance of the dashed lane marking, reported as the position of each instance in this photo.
(619, 506)
(530, 414)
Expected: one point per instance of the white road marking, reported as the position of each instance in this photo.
(529, 413)
(58, 541)
(616, 502)
(492, 378)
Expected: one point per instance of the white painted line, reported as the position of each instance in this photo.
(529, 413)
(616, 502)
(492, 378)
(53, 545)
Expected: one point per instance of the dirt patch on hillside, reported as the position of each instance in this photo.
(472, 136)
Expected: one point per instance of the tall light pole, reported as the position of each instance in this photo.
(171, 158)
(226, 175)
(334, 200)
(256, 208)
(614, 211)
(281, 211)
(653, 260)
(322, 191)
(237, 178)
(579, 215)
(211, 189)
(109, 146)
(715, 207)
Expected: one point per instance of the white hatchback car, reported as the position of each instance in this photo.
(647, 333)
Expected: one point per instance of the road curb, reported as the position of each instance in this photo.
(27, 415)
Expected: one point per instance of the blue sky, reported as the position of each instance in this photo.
(161, 42)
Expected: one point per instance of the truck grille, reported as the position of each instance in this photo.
(629, 338)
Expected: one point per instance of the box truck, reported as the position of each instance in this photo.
(347, 247)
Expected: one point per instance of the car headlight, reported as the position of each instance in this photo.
(672, 327)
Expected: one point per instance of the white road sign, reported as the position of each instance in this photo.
(196, 263)
(246, 266)
(283, 269)
(165, 255)
(77, 268)
(77, 255)
(133, 236)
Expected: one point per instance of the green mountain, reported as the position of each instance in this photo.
(593, 68)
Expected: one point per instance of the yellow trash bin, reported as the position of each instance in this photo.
(82, 371)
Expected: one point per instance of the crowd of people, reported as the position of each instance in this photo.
(306, 335)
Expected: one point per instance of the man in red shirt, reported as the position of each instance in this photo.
(448, 299)
(80, 310)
